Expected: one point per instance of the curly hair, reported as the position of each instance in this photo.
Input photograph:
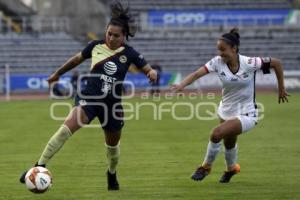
(122, 17)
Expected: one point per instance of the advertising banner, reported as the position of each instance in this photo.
(173, 18)
(34, 82)
(38, 82)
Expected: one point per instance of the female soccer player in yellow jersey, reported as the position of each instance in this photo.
(237, 110)
(101, 98)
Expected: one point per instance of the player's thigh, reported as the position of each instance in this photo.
(229, 141)
(248, 122)
(76, 119)
(112, 123)
(228, 128)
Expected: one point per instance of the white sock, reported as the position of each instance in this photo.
(54, 144)
(112, 154)
(231, 156)
(211, 152)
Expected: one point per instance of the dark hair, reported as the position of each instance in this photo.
(232, 38)
(122, 17)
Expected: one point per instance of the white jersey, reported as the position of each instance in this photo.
(238, 89)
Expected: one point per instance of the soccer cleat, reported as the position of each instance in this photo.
(112, 182)
(228, 174)
(22, 178)
(200, 173)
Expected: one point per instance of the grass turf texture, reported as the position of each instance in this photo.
(157, 157)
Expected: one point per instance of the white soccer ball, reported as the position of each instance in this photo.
(38, 179)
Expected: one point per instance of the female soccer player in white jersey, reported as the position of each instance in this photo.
(237, 110)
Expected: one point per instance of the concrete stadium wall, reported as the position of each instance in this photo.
(85, 16)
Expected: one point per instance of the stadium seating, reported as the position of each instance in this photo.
(183, 49)
(187, 50)
(43, 51)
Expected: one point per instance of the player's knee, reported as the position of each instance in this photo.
(230, 142)
(216, 135)
(229, 145)
(72, 125)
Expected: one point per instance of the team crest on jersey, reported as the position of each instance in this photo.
(82, 102)
(123, 59)
(110, 68)
(249, 61)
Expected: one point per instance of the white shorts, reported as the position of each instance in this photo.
(248, 121)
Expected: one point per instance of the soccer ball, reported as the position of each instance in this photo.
(38, 179)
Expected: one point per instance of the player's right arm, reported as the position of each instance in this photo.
(202, 71)
(277, 66)
(67, 66)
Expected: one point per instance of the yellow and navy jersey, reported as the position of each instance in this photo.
(109, 68)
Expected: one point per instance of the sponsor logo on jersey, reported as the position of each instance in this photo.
(107, 79)
(249, 61)
(123, 59)
(234, 79)
(106, 88)
(141, 56)
(110, 68)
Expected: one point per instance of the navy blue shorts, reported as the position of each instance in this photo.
(110, 115)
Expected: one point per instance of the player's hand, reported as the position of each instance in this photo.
(283, 96)
(176, 88)
(152, 75)
(53, 78)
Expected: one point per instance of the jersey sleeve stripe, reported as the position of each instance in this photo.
(206, 69)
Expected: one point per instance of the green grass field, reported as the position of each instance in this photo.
(157, 157)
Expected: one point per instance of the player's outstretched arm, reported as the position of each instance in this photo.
(277, 66)
(67, 66)
(189, 79)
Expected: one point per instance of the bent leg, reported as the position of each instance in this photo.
(73, 122)
(227, 129)
(231, 152)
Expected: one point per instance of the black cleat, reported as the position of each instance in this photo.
(22, 178)
(200, 173)
(112, 182)
(229, 174)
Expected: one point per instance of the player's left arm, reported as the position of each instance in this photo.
(149, 72)
(277, 66)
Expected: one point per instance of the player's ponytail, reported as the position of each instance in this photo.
(232, 38)
(122, 17)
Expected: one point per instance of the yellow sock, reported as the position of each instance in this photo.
(113, 154)
(54, 144)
